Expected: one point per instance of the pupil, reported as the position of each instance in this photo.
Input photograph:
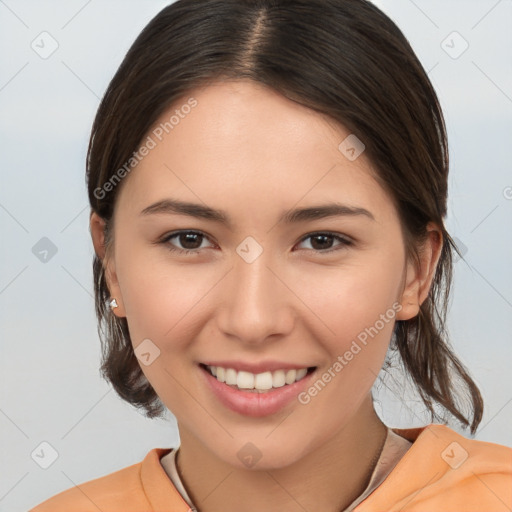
(189, 238)
(325, 239)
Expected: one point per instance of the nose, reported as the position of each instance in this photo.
(255, 301)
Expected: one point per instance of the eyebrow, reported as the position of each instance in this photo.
(310, 213)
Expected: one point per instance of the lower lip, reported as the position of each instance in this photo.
(255, 404)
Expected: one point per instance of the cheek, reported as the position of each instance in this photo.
(354, 303)
(160, 301)
(157, 294)
(357, 308)
(351, 297)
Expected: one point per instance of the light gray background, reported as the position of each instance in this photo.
(50, 386)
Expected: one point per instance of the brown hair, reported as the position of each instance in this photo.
(343, 58)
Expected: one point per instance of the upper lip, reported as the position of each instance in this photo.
(261, 367)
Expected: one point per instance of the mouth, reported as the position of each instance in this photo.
(256, 394)
(263, 382)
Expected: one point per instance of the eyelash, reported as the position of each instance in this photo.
(345, 242)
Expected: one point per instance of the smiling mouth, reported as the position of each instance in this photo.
(257, 383)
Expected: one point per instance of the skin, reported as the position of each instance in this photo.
(253, 153)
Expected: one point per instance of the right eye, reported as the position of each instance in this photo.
(188, 239)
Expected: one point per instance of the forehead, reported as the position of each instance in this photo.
(244, 143)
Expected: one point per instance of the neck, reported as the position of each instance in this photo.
(335, 474)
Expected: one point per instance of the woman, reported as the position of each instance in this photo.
(268, 187)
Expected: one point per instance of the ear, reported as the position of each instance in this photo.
(418, 280)
(97, 227)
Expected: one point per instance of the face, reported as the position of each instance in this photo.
(257, 288)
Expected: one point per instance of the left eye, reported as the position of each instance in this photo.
(191, 241)
(323, 239)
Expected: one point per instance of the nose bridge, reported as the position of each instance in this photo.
(257, 304)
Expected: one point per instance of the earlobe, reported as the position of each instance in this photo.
(97, 228)
(419, 280)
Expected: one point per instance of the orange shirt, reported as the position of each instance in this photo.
(441, 472)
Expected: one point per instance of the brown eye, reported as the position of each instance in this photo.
(322, 242)
(190, 241)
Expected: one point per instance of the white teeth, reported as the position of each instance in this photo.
(290, 376)
(301, 373)
(278, 379)
(230, 376)
(261, 381)
(243, 380)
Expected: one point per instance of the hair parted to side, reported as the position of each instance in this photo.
(342, 58)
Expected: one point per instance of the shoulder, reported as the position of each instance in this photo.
(447, 472)
(119, 491)
(458, 451)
